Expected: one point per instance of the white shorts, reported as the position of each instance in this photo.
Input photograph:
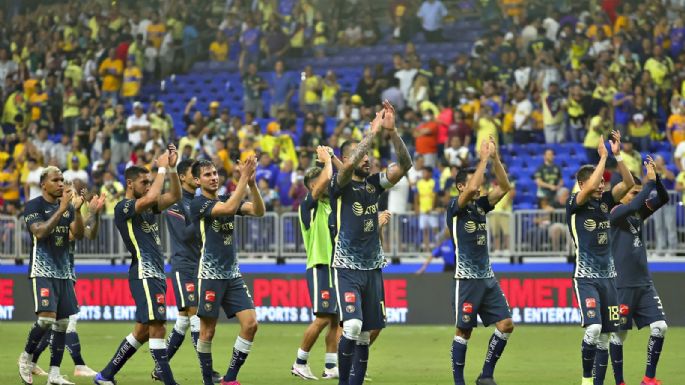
(428, 221)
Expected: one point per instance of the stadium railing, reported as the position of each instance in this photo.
(521, 233)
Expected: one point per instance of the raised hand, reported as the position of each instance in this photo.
(163, 160)
(376, 123)
(173, 155)
(66, 199)
(253, 172)
(322, 154)
(78, 199)
(492, 148)
(388, 116)
(484, 150)
(651, 168)
(616, 142)
(601, 148)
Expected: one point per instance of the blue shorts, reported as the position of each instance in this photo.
(230, 294)
(184, 284)
(361, 296)
(479, 297)
(598, 302)
(641, 304)
(54, 295)
(149, 294)
(321, 290)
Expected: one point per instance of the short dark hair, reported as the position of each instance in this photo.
(134, 172)
(462, 176)
(311, 174)
(346, 145)
(199, 165)
(184, 165)
(585, 172)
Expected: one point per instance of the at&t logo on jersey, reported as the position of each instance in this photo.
(358, 209)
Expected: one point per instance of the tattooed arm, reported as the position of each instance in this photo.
(345, 173)
(395, 172)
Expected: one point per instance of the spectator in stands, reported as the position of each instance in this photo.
(269, 195)
(9, 183)
(600, 126)
(330, 89)
(275, 42)
(133, 78)
(457, 154)
(250, 42)
(282, 90)
(419, 92)
(640, 128)
(486, 125)
(500, 221)
(369, 88)
(405, 75)
(162, 121)
(76, 150)
(310, 89)
(425, 201)
(553, 114)
(219, 49)
(43, 143)
(665, 218)
(75, 172)
(253, 86)
(111, 70)
(393, 94)
(523, 124)
(623, 107)
(426, 139)
(137, 125)
(266, 169)
(548, 177)
(83, 125)
(32, 186)
(631, 157)
(675, 127)
(297, 190)
(432, 13)
(58, 153)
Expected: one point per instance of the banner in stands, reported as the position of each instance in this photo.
(534, 298)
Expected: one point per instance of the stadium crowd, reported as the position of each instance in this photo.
(71, 79)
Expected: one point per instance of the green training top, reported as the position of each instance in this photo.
(315, 232)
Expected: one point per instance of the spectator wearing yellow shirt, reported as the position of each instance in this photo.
(424, 202)
(70, 107)
(680, 185)
(604, 91)
(39, 103)
(9, 183)
(311, 85)
(675, 127)
(113, 190)
(218, 50)
(77, 152)
(500, 219)
(156, 31)
(111, 70)
(486, 126)
(132, 80)
(631, 157)
(599, 125)
(660, 68)
(640, 128)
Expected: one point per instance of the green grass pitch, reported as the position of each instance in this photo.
(402, 355)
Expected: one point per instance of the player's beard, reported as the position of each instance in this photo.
(360, 173)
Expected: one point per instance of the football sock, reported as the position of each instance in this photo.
(616, 352)
(302, 357)
(496, 346)
(601, 362)
(240, 351)
(177, 335)
(458, 359)
(37, 332)
(204, 352)
(57, 348)
(331, 360)
(158, 350)
(653, 352)
(360, 362)
(74, 347)
(588, 351)
(42, 345)
(126, 350)
(346, 349)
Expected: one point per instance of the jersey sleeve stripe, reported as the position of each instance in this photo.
(204, 241)
(180, 291)
(315, 294)
(176, 214)
(33, 261)
(456, 244)
(132, 236)
(574, 235)
(35, 294)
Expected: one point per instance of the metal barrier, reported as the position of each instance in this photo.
(522, 233)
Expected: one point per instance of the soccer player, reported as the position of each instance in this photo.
(72, 342)
(313, 213)
(49, 219)
(220, 283)
(135, 218)
(638, 299)
(587, 217)
(185, 255)
(477, 292)
(357, 253)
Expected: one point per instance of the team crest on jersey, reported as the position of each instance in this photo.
(591, 314)
(160, 298)
(126, 206)
(590, 302)
(624, 310)
(467, 307)
(210, 296)
(208, 307)
(350, 308)
(604, 208)
(324, 304)
(161, 309)
(470, 226)
(190, 287)
(325, 295)
(44, 292)
(66, 214)
(45, 302)
(191, 297)
(466, 318)
(480, 210)
(590, 225)
(350, 297)
(370, 188)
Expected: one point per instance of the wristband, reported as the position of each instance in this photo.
(619, 158)
(161, 170)
(172, 170)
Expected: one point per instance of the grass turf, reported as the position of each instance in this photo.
(402, 355)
